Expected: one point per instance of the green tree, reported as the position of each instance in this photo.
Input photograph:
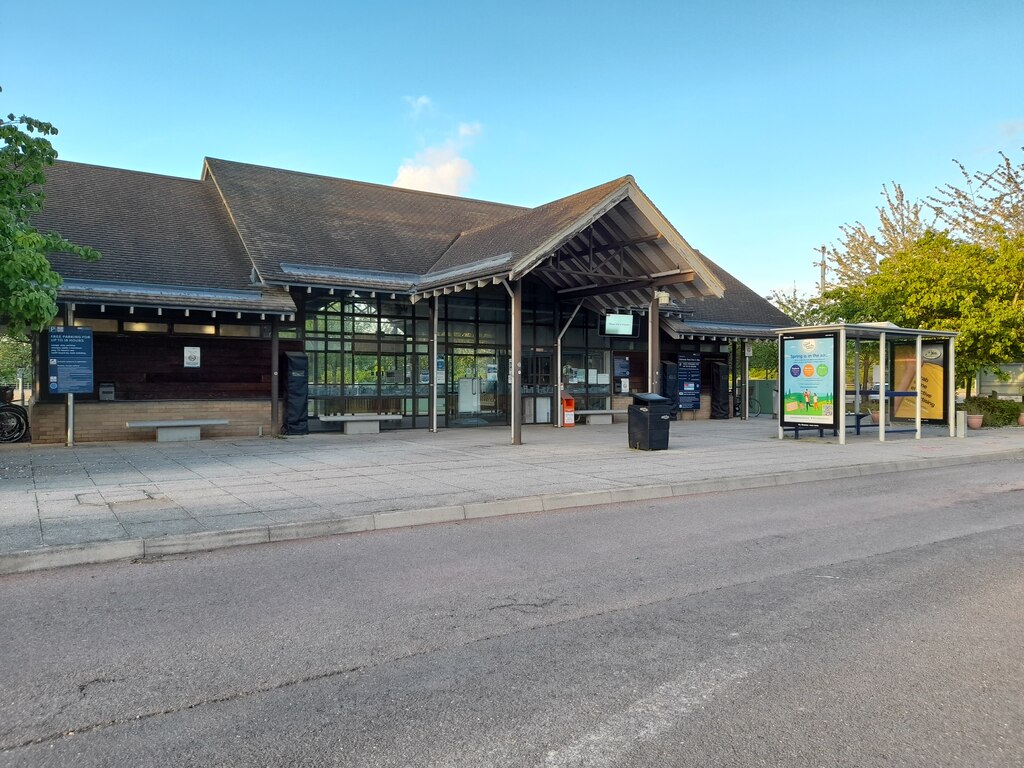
(945, 283)
(860, 250)
(989, 206)
(14, 356)
(805, 310)
(28, 285)
(764, 360)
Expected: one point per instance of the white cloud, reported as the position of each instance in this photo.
(419, 105)
(441, 167)
(436, 169)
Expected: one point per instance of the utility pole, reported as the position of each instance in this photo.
(821, 285)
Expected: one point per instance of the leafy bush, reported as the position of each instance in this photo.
(998, 413)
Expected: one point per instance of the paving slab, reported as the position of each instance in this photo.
(66, 506)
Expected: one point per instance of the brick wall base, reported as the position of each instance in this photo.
(103, 421)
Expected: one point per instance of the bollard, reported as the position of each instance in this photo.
(961, 423)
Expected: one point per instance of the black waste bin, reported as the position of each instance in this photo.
(649, 419)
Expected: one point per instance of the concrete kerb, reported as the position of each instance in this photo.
(113, 551)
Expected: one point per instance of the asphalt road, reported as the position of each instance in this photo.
(861, 623)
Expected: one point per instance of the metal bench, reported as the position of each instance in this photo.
(599, 416)
(361, 423)
(177, 430)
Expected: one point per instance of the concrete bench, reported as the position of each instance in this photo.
(599, 416)
(177, 430)
(361, 423)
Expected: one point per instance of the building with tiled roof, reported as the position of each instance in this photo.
(384, 297)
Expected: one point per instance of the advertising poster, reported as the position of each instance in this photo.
(689, 381)
(933, 380)
(809, 376)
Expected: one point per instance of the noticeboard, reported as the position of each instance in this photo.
(689, 381)
(70, 358)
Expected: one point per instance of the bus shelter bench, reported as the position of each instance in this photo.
(177, 430)
(361, 423)
(599, 416)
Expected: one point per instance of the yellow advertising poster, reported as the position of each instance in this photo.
(933, 360)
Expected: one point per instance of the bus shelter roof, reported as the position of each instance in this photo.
(866, 331)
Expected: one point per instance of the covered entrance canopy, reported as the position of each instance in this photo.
(900, 387)
(608, 249)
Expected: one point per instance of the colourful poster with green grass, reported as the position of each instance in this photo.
(809, 380)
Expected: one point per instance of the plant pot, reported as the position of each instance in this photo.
(874, 417)
(1020, 418)
(974, 420)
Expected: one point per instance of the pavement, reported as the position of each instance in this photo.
(102, 502)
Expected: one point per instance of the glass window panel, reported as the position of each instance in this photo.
(574, 337)
(461, 308)
(545, 336)
(395, 308)
(204, 330)
(492, 311)
(251, 330)
(461, 332)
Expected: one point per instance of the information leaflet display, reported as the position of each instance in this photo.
(809, 374)
(689, 381)
(70, 356)
(933, 380)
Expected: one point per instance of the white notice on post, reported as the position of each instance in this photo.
(191, 357)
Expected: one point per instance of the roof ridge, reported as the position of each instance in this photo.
(391, 187)
(526, 211)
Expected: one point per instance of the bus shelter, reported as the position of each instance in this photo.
(822, 370)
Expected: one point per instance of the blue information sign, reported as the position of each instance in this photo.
(70, 360)
(689, 381)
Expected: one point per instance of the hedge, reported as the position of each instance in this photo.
(998, 413)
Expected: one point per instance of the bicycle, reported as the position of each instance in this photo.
(753, 407)
(13, 418)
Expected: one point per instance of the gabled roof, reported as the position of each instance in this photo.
(227, 240)
(287, 217)
(165, 241)
(301, 228)
(519, 236)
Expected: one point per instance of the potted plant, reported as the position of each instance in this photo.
(975, 418)
(1020, 416)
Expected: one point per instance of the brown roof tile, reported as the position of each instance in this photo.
(150, 229)
(318, 221)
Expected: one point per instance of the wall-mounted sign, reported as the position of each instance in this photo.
(621, 366)
(809, 377)
(689, 381)
(191, 357)
(70, 357)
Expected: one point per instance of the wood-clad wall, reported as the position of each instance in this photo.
(152, 366)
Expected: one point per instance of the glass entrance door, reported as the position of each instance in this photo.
(538, 389)
(477, 387)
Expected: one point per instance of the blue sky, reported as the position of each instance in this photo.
(758, 128)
